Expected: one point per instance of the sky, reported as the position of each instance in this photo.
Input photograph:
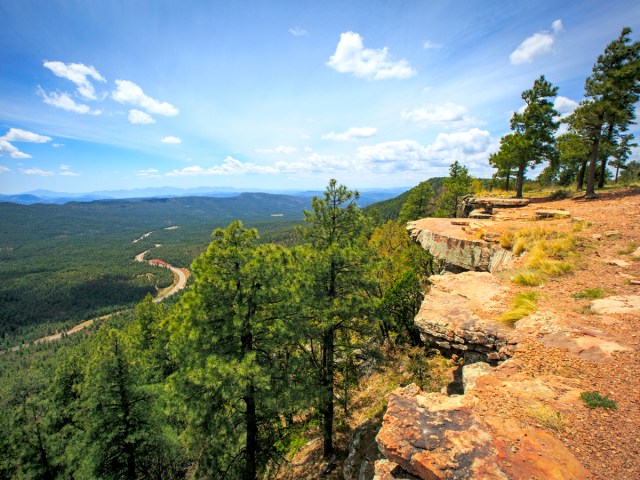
(274, 94)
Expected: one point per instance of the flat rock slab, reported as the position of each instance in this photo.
(623, 304)
(456, 246)
(552, 214)
(436, 437)
(459, 312)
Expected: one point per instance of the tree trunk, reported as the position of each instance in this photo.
(506, 183)
(591, 177)
(520, 180)
(617, 171)
(603, 161)
(326, 396)
(580, 179)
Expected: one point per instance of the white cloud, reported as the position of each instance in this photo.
(65, 102)
(69, 173)
(564, 106)
(65, 167)
(7, 149)
(57, 145)
(129, 92)
(147, 173)
(427, 45)
(351, 57)
(4, 169)
(280, 149)
(18, 135)
(449, 115)
(537, 44)
(230, 166)
(37, 171)
(138, 117)
(298, 32)
(77, 73)
(352, 134)
(317, 163)
(173, 140)
(471, 147)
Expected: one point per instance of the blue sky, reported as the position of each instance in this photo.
(279, 94)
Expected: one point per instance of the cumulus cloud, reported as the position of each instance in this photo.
(7, 149)
(18, 135)
(64, 101)
(4, 169)
(57, 145)
(77, 73)
(318, 163)
(129, 92)
(352, 134)
(280, 149)
(298, 32)
(537, 44)
(470, 147)
(449, 115)
(173, 140)
(138, 117)
(229, 166)
(564, 106)
(352, 57)
(37, 171)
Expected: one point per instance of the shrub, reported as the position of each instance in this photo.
(545, 416)
(528, 278)
(595, 400)
(560, 194)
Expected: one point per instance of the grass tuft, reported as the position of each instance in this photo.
(524, 304)
(590, 293)
(546, 416)
(595, 400)
(528, 278)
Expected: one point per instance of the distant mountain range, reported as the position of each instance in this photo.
(367, 196)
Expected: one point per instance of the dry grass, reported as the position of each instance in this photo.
(524, 304)
(545, 416)
(528, 278)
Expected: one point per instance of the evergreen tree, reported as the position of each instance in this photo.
(508, 158)
(231, 336)
(419, 203)
(536, 127)
(608, 109)
(456, 186)
(336, 273)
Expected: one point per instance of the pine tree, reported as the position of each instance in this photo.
(231, 334)
(508, 157)
(536, 127)
(456, 186)
(608, 109)
(419, 203)
(336, 275)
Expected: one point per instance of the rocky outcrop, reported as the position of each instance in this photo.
(435, 437)
(457, 245)
(363, 451)
(459, 313)
(624, 304)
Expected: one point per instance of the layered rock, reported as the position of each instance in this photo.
(453, 243)
(459, 312)
(435, 437)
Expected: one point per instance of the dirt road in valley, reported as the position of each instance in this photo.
(180, 277)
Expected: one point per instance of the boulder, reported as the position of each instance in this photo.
(387, 470)
(459, 313)
(541, 214)
(471, 373)
(458, 248)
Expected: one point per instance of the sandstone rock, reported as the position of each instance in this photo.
(611, 233)
(636, 254)
(459, 313)
(436, 437)
(363, 451)
(617, 262)
(540, 214)
(471, 373)
(387, 470)
(624, 304)
(455, 247)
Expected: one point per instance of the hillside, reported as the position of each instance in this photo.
(60, 264)
(390, 208)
